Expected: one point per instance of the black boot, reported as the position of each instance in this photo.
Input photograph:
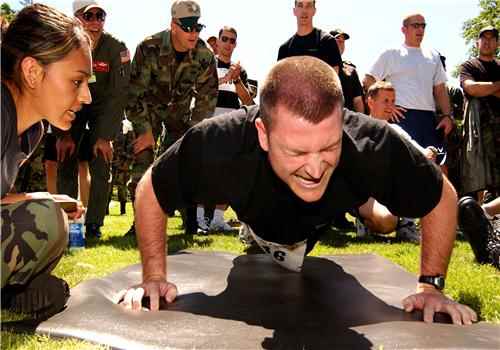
(93, 231)
(131, 231)
(42, 297)
(475, 226)
(123, 208)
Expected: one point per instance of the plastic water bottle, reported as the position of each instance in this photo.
(76, 239)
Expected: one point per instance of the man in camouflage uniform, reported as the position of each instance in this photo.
(108, 86)
(120, 166)
(173, 86)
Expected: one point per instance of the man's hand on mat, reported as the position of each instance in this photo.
(431, 301)
(154, 289)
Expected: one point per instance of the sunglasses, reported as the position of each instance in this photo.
(188, 29)
(90, 16)
(418, 25)
(225, 39)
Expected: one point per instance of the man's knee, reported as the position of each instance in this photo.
(383, 224)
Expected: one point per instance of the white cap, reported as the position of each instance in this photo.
(86, 4)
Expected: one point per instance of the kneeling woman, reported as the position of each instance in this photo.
(46, 63)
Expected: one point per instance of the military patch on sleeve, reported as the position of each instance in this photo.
(125, 56)
(101, 67)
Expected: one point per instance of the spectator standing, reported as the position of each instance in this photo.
(308, 40)
(480, 80)
(420, 80)
(173, 86)
(108, 86)
(233, 88)
(351, 86)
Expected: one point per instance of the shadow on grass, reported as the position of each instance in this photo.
(340, 239)
(176, 242)
(473, 301)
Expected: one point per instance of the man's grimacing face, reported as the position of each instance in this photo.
(302, 154)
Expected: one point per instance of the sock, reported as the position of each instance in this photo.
(200, 214)
(218, 215)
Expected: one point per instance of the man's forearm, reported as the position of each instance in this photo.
(150, 221)
(482, 88)
(438, 233)
(442, 99)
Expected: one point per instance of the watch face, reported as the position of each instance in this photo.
(439, 282)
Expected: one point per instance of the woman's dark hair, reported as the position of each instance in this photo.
(43, 33)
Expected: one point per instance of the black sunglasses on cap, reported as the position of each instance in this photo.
(188, 29)
(90, 16)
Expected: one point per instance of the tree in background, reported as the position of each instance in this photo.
(6, 12)
(489, 15)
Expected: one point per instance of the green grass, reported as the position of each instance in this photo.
(467, 282)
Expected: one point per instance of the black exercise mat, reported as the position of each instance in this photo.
(249, 302)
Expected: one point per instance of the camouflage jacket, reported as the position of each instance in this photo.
(180, 94)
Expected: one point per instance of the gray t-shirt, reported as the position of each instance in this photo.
(15, 149)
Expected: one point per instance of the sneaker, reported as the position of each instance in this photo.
(43, 297)
(493, 242)
(244, 234)
(476, 227)
(407, 231)
(203, 227)
(221, 226)
(361, 229)
(341, 223)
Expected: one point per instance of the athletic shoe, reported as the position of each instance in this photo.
(341, 223)
(493, 244)
(221, 226)
(361, 229)
(407, 231)
(203, 227)
(43, 297)
(476, 227)
(244, 234)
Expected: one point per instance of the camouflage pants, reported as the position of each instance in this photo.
(120, 178)
(143, 160)
(34, 237)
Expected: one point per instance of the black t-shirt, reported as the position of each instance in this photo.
(220, 161)
(478, 70)
(15, 150)
(351, 86)
(227, 96)
(318, 44)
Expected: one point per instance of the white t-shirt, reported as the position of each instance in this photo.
(413, 72)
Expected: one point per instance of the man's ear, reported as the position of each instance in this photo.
(369, 102)
(32, 72)
(262, 134)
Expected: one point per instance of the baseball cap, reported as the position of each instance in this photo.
(86, 5)
(336, 32)
(489, 29)
(185, 9)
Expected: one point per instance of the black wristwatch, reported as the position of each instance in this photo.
(436, 281)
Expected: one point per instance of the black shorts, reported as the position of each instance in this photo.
(85, 149)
